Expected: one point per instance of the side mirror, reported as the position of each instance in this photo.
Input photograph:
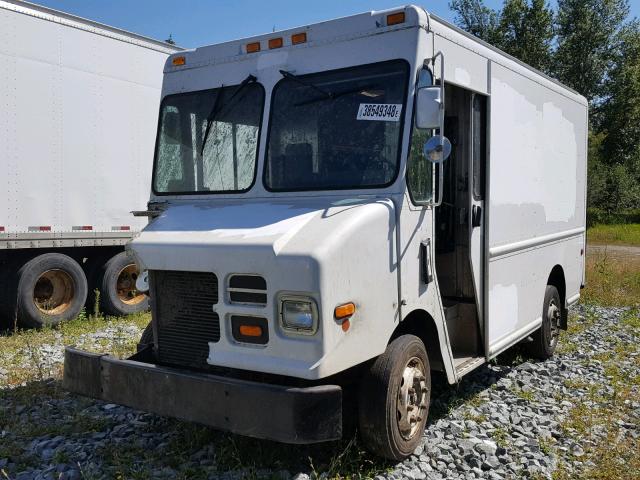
(437, 149)
(428, 107)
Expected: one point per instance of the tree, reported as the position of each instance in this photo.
(525, 30)
(476, 18)
(586, 36)
(621, 110)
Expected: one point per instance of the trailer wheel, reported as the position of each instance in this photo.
(51, 288)
(545, 339)
(394, 399)
(118, 293)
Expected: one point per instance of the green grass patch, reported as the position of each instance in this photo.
(621, 234)
(612, 281)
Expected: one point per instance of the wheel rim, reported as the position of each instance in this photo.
(412, 400)
(126, 286)
(553, 315)
(53, 292)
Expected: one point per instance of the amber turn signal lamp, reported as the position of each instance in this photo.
(178, 61)
(297, 38)
(253, 47)
(275, 42)
(395, 18)
(250, 330)
(344, 311)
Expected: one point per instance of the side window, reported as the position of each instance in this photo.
(479, 144)
(419, 170)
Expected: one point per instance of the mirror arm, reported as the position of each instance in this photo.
(438, 201)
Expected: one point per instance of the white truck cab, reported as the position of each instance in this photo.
(345, 207)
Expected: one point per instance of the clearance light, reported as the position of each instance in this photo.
(250, 330)
(178, 61)
(275, 42)
(344, 311)
(298, 38)
(395, 18)
(253, 47)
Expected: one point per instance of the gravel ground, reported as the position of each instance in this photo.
(513, 418)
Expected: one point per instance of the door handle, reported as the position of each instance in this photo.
(476, 216)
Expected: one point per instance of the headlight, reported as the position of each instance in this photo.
(299, 314)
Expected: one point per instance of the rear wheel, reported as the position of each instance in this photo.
(545, 339)
(117, 285)
(394, 399)
(51, 288)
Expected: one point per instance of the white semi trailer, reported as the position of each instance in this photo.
(79, 109)
(311, 242)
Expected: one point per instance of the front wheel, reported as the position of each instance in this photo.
(394, 399)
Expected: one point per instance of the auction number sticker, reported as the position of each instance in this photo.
(386, 112)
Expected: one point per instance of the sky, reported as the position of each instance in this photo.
(193, 23)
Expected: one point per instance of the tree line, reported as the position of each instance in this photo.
(593, 47)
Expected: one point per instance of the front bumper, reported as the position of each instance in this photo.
(274, 412)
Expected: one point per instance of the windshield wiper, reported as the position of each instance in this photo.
(295, 78)
(215, 109)
(334, 95)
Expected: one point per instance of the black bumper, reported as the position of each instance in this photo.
(274, 412)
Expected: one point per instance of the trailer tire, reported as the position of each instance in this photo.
(392, 418)
(545, 339)
(117, 285)
(51, 288)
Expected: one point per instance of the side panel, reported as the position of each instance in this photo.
(77, 127)
(537, 173)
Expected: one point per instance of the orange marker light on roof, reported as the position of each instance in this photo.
(253, 47)
(275, 42)
(344, 311)
(395, 18)
(178, 61)
(298, 38)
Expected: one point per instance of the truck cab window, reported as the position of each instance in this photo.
(419, 170)
(337, 130)
(227, 162)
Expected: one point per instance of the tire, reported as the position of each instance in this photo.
(51, 288)
(404, 365)
(146, 338)
(545, 339)
(118, 294)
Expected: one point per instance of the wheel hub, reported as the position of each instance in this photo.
(412, 398)
(53, 292)
(553, 315)
(126, 286)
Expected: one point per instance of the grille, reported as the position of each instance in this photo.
(251, 289)
(186, 322)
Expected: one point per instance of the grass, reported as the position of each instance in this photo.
(621, 234)
(612, 280)
(26, 360)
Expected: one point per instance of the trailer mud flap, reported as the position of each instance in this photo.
(274, 412)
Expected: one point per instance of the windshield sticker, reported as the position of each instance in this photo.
(386, 112)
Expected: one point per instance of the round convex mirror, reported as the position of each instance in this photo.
(437, 149)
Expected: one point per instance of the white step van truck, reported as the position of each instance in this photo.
(77, 122)
(339, 210)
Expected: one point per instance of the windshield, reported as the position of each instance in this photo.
(337, 130)
(227, 162)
